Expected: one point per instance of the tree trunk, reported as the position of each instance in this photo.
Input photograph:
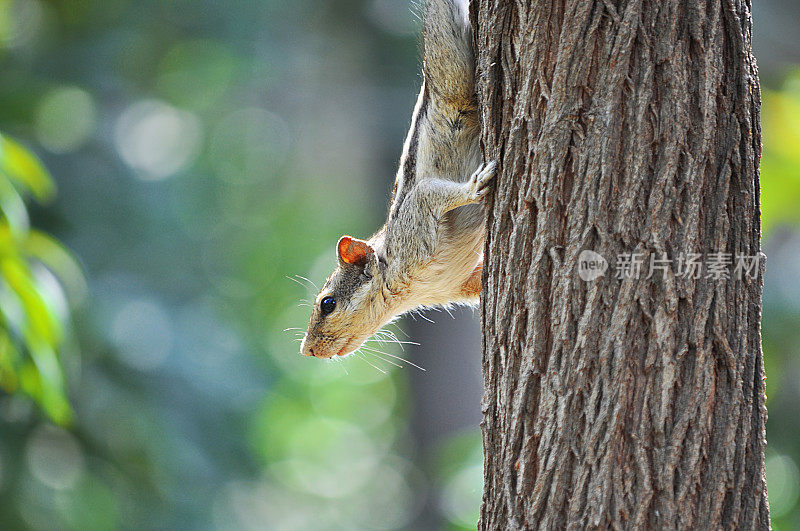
(629, 128)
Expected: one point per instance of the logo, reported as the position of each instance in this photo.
(591, 266)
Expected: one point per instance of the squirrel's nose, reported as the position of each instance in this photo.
(306, 350)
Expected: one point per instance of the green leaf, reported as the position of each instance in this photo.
(9, 358)
(47, 393)
(780, 181)
(20, 165)
(42, 324)
(30, 326)
(59, 260)
(12, 208)
(51, 379)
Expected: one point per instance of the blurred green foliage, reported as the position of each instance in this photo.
(196, 145)
(781, 153)
(780, 212)
(31, 304)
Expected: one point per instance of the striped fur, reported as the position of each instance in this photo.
(429, 252)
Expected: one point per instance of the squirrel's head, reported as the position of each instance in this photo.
(351, 306)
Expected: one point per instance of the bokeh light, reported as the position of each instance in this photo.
(65, 119)
(54, 458)
(784, 484)
(20, 22)
(143, 334)
(157, 140)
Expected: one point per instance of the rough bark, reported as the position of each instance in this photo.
(620, 126)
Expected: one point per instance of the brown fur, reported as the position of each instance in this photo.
(429, 252)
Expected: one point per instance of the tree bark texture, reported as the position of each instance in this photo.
(620, 126)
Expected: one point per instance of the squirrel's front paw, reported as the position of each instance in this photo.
(481, 181)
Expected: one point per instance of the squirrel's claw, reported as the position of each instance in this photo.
(480, 182)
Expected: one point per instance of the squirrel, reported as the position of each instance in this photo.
(430, 250)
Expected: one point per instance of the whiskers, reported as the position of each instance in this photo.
(387, 336)
(373, 351)
(384, 356)
(299, 333)
(338, 360)
(382, 337)
(418, 313)
(360, 355)
(296, 331)
(306, 283)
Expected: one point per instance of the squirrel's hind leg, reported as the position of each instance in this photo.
(471, 288)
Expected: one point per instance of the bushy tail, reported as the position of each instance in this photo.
(449, 64)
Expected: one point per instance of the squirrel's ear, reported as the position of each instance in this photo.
(353, 251)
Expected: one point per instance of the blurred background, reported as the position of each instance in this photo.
(203, 153)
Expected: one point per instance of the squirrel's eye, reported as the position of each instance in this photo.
(327, 305)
